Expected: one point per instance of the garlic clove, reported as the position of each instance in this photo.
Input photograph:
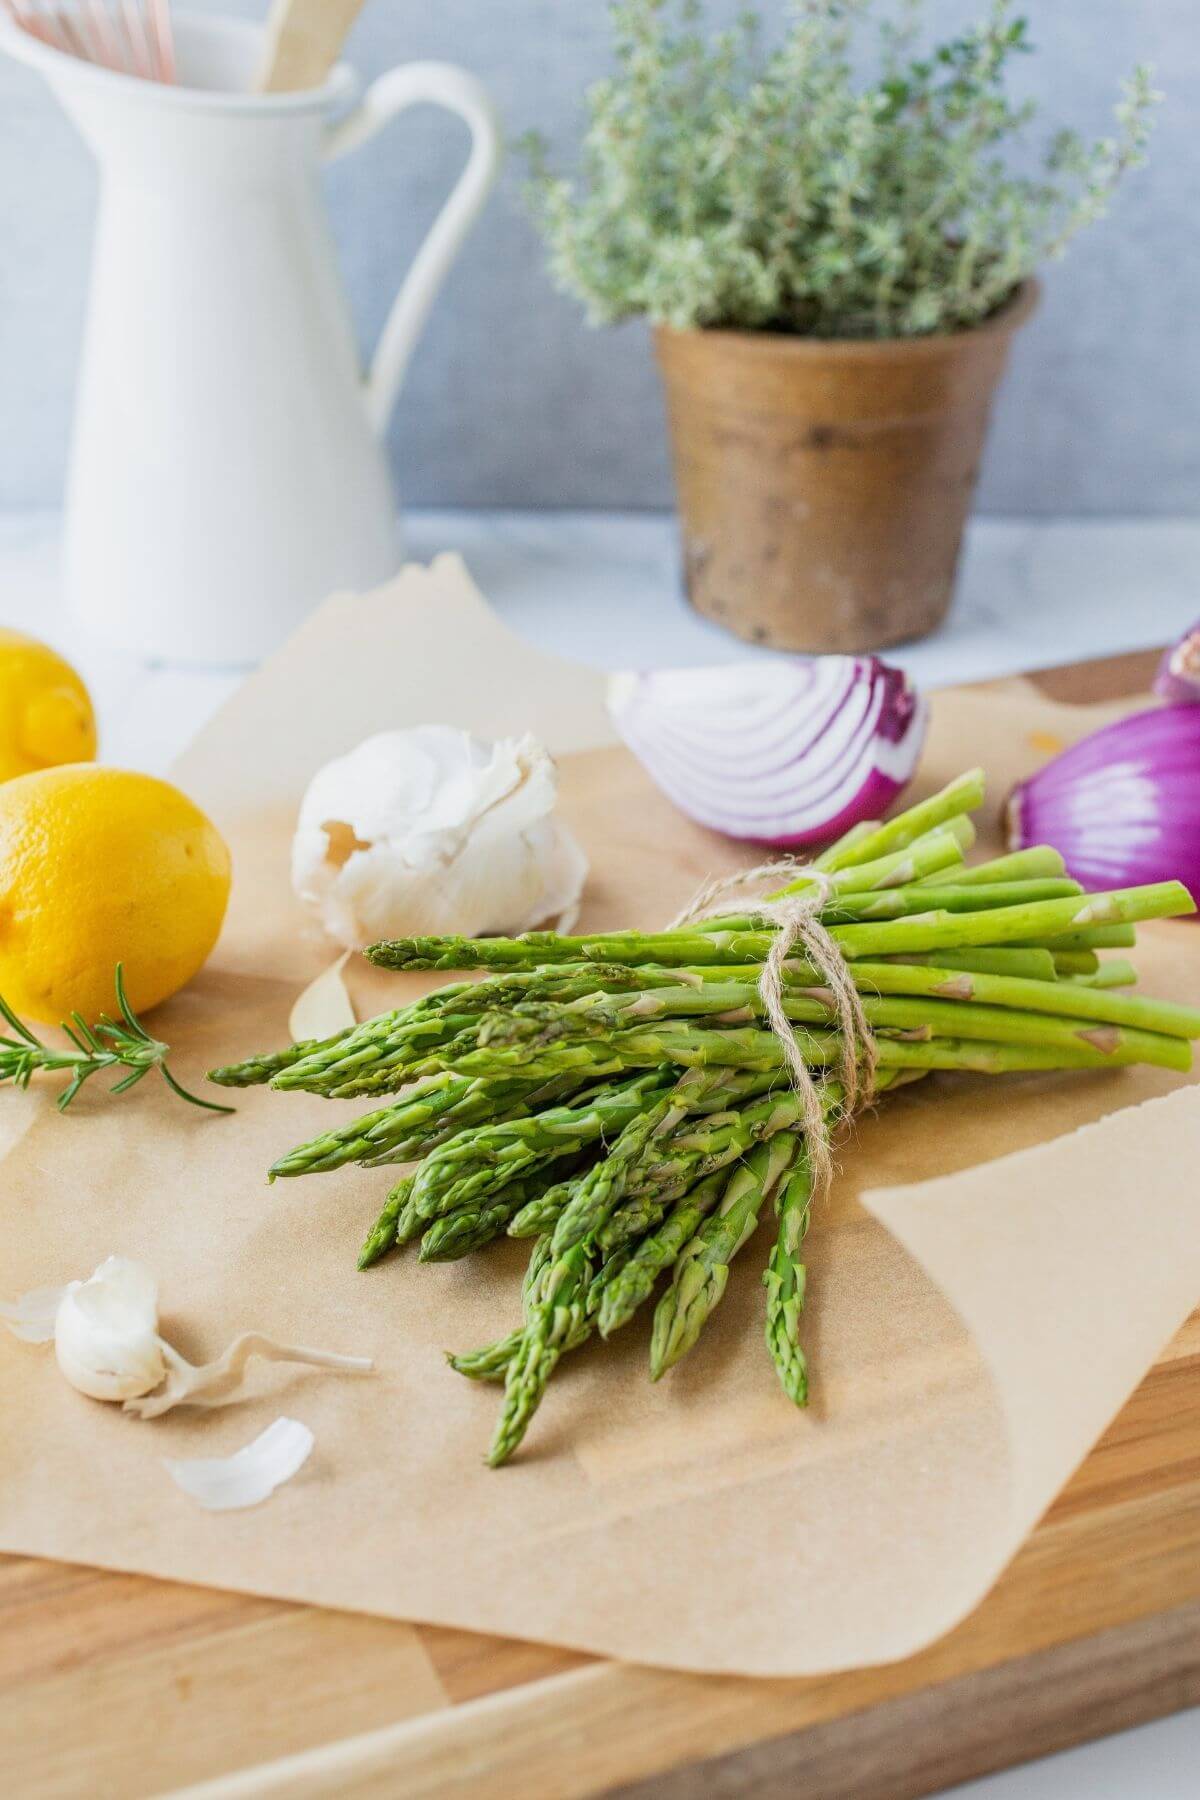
(106, 1332)
(251, 1474)
(106, 1342)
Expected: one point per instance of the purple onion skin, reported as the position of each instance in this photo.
(1123, 805)
(871, 802)
(1178, 678)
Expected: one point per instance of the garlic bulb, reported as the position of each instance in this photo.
(107, 1344)
(430, 830)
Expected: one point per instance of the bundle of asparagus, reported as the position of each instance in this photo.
(621, 1100)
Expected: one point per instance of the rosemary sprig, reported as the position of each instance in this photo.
(108, 1044)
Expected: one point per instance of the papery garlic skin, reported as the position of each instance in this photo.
(431, 830)
(251, 1474)
(106, 1332)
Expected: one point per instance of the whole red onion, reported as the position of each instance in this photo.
(1123, 805)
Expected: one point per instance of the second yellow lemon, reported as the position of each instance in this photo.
(45, 711)
(100, 866)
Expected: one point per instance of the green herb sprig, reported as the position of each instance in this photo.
(122, 1043)
(837, 182)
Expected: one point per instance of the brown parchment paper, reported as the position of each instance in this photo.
(993, 1275)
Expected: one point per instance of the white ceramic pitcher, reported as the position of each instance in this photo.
(226, 469)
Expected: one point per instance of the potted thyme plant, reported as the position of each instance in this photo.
(834, 263)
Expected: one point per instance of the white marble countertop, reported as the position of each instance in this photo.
(604, 588)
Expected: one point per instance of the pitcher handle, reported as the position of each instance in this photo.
(439, 84)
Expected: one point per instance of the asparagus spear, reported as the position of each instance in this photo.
(624, 1292)
(257, 1070)
(479, 1162)
(1115, 974)
(541, 1213)
(557, 1321)
(749, 1048)
(397, 1224)
(1064, 923)
(476, 1222)
(488, 1363)
(1037, 863)
(785, 1279)
(435, 1110)
(702, 1269)
(961, 796)
(1029, 964)
(995, 1009)
(372, 1057)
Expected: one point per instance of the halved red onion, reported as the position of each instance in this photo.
(1122, 806)
(785, 752)
(1178, 677)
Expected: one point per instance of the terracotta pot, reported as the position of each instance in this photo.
(824, 484)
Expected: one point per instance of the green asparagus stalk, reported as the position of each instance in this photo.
(603, 1188)
(256, 1071)
(785, 1279)
(475, 1163)
(475, 1223)
(624, 1292)
(490, 1362)
(437, 1109)
(556, 1323)
(1063, 923)
(901, 902)
(1095, 937)
(376, 1056)
(962, 796)
(1038, 863)
(397, 1224)
(702, 1269)
(955, 1002)
(1115, 974)
(1029, 964)
(750, 1048)
(1065, 962)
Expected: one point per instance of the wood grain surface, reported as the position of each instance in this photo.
(114, 1685)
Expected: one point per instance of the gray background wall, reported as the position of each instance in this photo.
(511, 401)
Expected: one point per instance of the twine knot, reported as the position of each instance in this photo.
(797, 921)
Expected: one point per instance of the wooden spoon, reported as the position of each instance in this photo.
(304, 38)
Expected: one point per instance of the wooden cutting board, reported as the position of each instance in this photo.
(114, 1685)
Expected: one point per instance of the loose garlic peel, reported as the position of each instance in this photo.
(31, 1316)
(433, 830)
(324, 1007)
(107, 1344)
(225, 1483)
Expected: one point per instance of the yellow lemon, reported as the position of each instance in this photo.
(45, 711)
(99, 866)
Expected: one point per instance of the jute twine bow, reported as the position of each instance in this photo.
(797, 922)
